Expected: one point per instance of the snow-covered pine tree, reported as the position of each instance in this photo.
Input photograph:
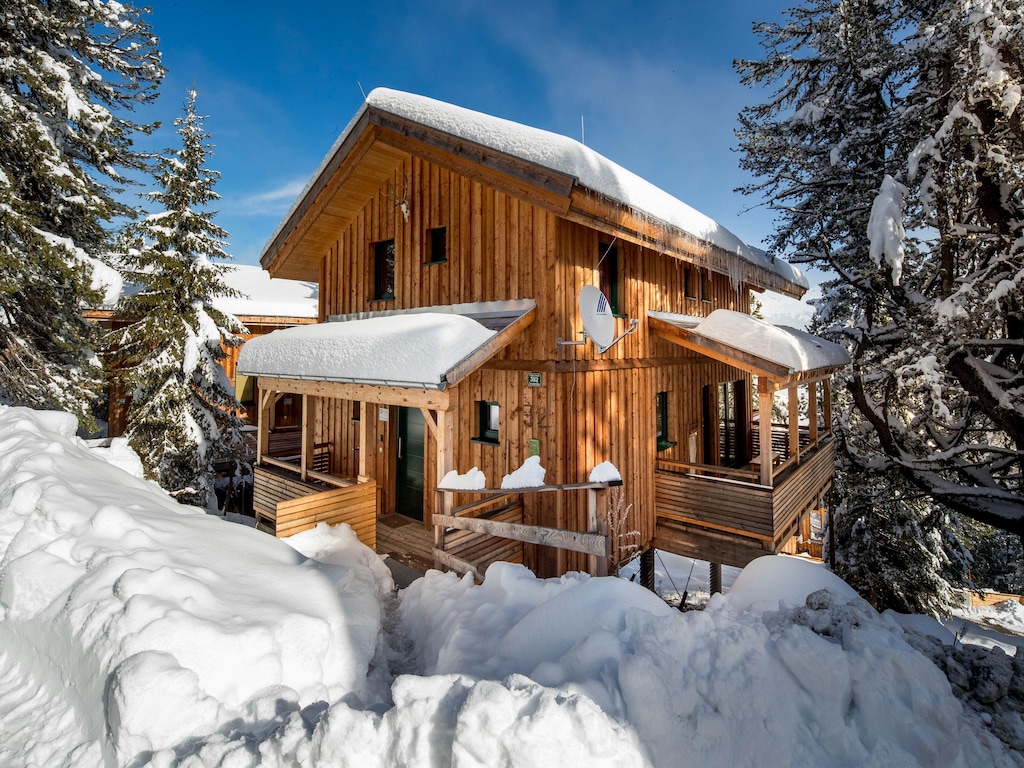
(69, 72)
(183, 412)
(892, 118)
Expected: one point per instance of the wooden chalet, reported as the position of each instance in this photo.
(450, 248)
(264, 304)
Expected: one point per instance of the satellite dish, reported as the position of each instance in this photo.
(596, 314)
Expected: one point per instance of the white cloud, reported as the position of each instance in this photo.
(272, 202)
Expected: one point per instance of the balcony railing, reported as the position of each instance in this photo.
(728, 516)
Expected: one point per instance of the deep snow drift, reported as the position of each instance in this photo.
(134, 631)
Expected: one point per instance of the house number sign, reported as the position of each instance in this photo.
(534, 379)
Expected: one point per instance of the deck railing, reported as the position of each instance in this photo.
(729, 515)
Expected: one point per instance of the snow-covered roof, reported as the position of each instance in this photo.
(417, 348)
(776, 350)
(555, 152)
(267, 296)
(262, 295)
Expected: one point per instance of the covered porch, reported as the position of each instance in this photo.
(354, 376)
(763, 502)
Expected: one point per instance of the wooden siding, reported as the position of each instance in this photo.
(286, 505)
(590, 408)
(733, 522)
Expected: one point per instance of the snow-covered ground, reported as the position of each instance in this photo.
(135, 632)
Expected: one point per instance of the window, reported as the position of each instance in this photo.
(356, 408)
(384, 270)
(661, 420)
(726, 426)
(690, 282)
(487, 422)
(705, 286)
(437, 245)
(608, 275)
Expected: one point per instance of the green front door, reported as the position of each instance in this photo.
(409, 475)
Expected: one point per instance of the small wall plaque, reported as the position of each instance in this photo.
(534, 379)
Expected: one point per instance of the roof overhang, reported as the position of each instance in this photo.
(783, 355)
(387, 357)
(372, 148)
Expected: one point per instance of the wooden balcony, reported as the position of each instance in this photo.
(728, 516)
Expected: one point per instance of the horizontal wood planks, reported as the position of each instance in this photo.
(719, 502)
(802, 490)
(590, 407)
(355, 506)
(709, 517)
(286, 506)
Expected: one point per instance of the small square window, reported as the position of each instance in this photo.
(437, 245)
(384, 270)
(488, 415)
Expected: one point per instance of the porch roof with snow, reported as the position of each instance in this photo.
(426, 348)
(786, 356)
(546, 169)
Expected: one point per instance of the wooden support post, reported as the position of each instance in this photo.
(308, 422)
(765, 396)
(267, 401)
(812, 411)
(794, 423)
(597, 522)
(366, 445)
(826, 404)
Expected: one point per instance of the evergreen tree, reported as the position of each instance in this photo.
(183, 413)
(891, 118)
(68, 74)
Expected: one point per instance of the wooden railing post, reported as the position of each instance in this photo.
(794, 423)
(597, 522)
(765, 396)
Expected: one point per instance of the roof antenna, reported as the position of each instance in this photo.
(361, 89)
(583, 132)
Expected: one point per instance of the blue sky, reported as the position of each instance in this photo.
(653, 82)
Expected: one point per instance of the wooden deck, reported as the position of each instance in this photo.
(731, 521)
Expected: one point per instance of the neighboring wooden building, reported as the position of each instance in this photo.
(264, 305)
(427, 224)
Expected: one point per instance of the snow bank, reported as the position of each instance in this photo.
(152, 623)
(137, 632)
(825, 682)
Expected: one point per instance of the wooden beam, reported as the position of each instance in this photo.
(267, 401)
(826, 399)
(492, 347)
(765, 397)
(575, 541)
(370, 393)
(306, 445)
(455, 564)
(794, 423)
(542, 187)
(812, 411)
(366, 444)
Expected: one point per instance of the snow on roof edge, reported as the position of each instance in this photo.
(558, 153)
